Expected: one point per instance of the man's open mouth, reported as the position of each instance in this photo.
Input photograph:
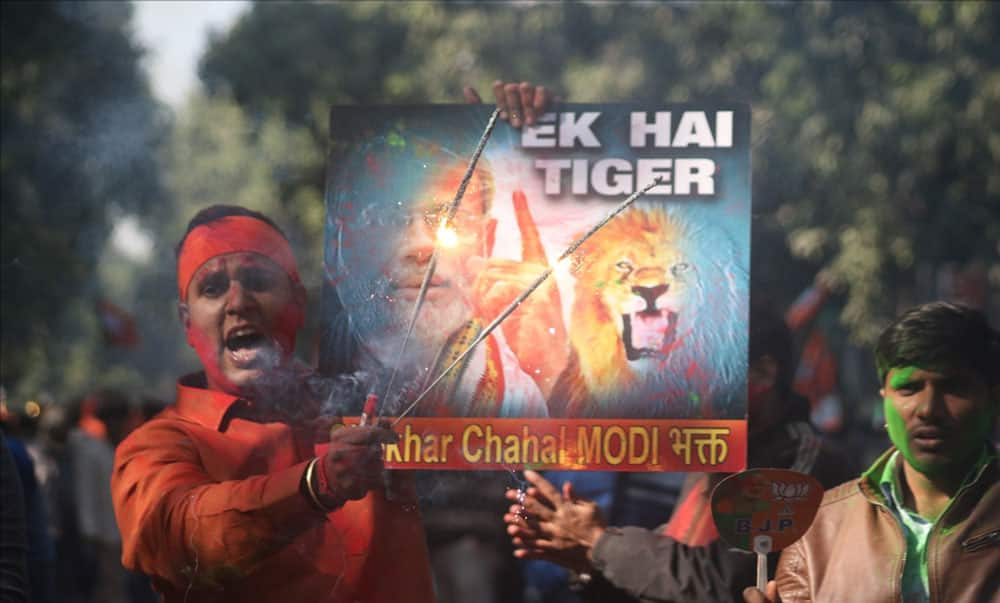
(648, 333)
(248, 348)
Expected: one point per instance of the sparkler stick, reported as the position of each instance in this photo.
(432, 264)
(524, 294)
(370, 403)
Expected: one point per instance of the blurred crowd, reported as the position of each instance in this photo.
(64, 456)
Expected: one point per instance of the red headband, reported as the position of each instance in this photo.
(232, 234)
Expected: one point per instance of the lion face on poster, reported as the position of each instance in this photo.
(658, 321)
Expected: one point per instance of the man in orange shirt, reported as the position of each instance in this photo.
(229, 495)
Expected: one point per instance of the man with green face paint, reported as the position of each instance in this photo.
(923, 523)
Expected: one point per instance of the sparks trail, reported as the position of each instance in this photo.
(432, 264)
(524, 294)
(522, 493)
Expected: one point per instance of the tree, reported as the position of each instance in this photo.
(78, 139)
(874, 148)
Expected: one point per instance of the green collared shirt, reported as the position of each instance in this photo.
(916, 528)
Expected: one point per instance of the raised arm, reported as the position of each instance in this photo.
(566, 529)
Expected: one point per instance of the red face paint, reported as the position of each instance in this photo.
(286, 327)
(232, 234)
(209, 353)
(210, 349)
(243, 308)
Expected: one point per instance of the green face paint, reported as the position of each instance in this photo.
(974, 427)
(901, 376)
(893, 420)
(897, 433)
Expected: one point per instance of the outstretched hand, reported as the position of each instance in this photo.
(555, 526)
(520, 104)
(535, 331)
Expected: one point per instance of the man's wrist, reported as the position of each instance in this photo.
(596, 554)
(595, 535)
(317, 488)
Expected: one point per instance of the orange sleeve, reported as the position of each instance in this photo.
(178, 524)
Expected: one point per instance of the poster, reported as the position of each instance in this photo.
(631, 356)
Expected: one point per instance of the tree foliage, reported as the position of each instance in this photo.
(875, 145)
(78, 139)
(876, 141)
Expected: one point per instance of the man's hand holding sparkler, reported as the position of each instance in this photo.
(544, 523)
(519, 104)
(535, 332)
(351, 467)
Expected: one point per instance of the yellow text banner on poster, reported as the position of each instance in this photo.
(590, 444)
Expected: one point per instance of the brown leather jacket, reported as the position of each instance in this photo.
(855, 549)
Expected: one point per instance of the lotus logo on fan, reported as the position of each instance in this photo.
(789, 492)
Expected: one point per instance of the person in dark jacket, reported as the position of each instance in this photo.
(13, 530)
(685, 560)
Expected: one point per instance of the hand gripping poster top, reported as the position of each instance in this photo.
(570, 295)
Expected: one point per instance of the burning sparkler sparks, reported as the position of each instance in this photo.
(524, 294)
(447, 236)
(522, 493)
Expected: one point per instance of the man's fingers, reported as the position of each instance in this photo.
(516, 522)
(360, 436)
(358, 460)
(524, 553)
(385, 434)
(356, 436)
(753, 595)
(528, 102)
(531, 508)
(471, 96)
(519, 104)
(545, 488)
(531, 242)
(521, 532)
(542, 543)
(322, 428)
(517, 509)
(537, 510)
(513, 94)
(530, 544)
(501, 97)
(518, 514)
(541, 100)
(521, 500)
